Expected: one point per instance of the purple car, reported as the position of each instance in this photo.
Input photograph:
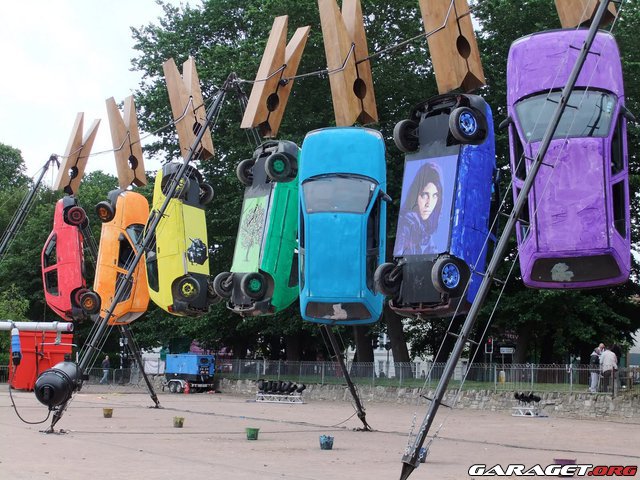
(575, 232)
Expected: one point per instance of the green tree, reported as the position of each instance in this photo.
(13, 306)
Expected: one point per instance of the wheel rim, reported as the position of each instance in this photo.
(255, 285)
(450, 275)
(187, 289)
(89, 303)
(103, 212)
(279, 165)
(468, 123)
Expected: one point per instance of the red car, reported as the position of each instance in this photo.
(63, 261)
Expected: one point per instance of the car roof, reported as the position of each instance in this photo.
(354, 150)
(544, 60)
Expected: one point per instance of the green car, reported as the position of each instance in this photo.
(264, 275)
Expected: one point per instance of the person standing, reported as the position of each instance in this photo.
(609, 366)
(105, 370)
(594, 365)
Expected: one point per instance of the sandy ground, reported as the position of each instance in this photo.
(141, 443)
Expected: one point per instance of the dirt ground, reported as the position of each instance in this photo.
(141, 443)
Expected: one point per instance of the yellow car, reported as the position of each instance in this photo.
(178, 255)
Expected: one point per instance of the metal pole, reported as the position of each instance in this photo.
(411, 459)
(336, 349)
(126, 331)
(24, 208)
(64, 327)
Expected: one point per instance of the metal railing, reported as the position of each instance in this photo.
(516, 377)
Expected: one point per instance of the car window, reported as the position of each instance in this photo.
(338, 193)
(126, 253)
(588, 114)
(51, 281)
(135, 232)
(50, 257)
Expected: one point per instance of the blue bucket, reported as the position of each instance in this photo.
(326, 442)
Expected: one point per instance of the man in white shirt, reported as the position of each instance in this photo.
(609, 366)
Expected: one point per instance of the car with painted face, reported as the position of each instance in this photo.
(448, 184)
(342, 225)
(177, 259)
(63, 273)
(264, 274)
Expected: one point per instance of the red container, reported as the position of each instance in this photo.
(39, 353)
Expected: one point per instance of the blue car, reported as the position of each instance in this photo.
(342, 225)
(443, 224)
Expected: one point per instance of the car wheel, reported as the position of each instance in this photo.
(77, 295)
(206, 193)
(449, 275)
(187, 288)
(386, 281)
(244, 171)
(467, 125)
(180, 191)
(223, 284)
(279, 167)
(90, 302)
(172, 387)
(76, 216)
(253, 285)
(212, 297)
(405, 136)
(105, 211)
(178, 388)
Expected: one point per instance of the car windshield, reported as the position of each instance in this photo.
(588, 114)
(338, 193)
(135, 232)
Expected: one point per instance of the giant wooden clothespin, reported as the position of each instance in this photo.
(126, 143)
(345, 45)
(580, 12)
(273, 83)
(75, 157)
(189, 111)
(452, 45)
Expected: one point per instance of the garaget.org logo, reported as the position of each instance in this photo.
(553, 470)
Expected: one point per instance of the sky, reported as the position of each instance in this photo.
(63, 57)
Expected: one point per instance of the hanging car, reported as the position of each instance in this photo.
(575, 232)
(178, 255)
(342, 226)
(123, 215)
(443, 223)
(63, 274)
(264, 274)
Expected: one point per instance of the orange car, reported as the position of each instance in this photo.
(124, 215)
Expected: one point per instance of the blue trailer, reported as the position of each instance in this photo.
(190, 372)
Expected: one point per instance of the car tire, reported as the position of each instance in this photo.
(405, 136)
(172, 387)
(76, 296)
(382, 282)
(76, 216)
(90, 302)
(105, 211)
(187, 288)
(244, 171)
(449, 275)
(280, 167)
(206, 193)
(223, 284)
(467, 125)
(253, 285)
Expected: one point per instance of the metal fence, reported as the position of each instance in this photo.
(496, 377)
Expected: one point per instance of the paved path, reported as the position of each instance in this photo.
(140, 442)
